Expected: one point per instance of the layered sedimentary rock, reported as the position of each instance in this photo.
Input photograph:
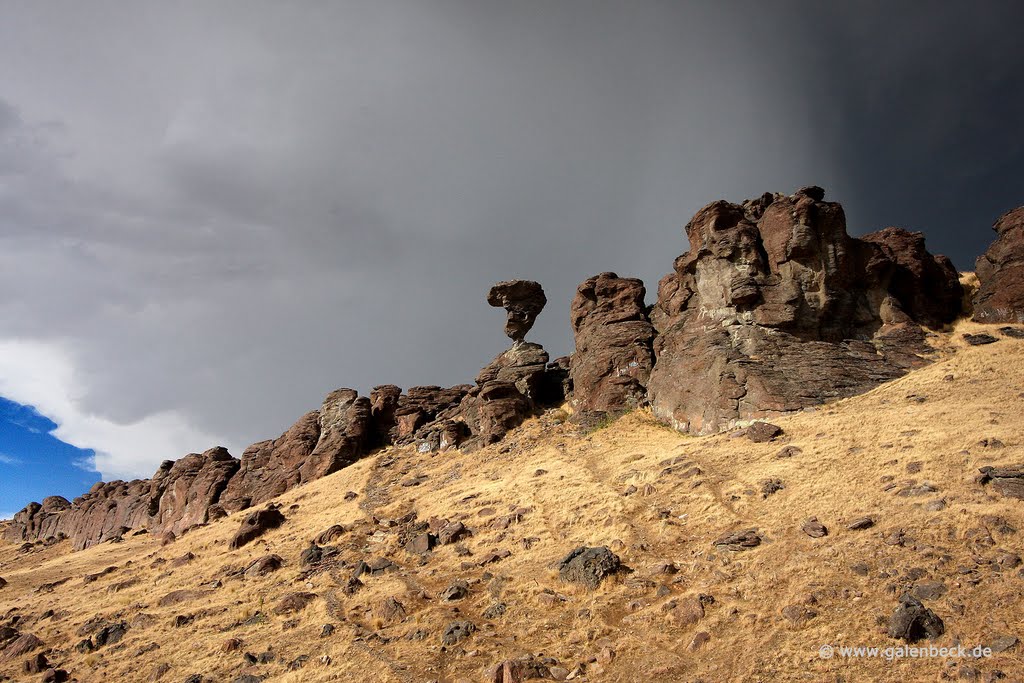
(775, 308)
(614, 355)
(1000, 270)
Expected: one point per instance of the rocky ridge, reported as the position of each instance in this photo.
(773, 309)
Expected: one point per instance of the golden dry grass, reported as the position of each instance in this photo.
(688, 491)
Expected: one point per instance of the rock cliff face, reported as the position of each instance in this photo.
(1000, 297)
(614, 354)
(178, 496)
(775, 308)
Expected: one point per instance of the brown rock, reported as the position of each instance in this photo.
(762, 432)
(614, 356)
(255, 525)
(790, 312)
(320, 443)
(333, 533)
(523, 300)
(738, 540)
(1000, 295)
(294, 602)
(20, 646)
(813, 528)
(184, 595)
(1006, 481)
(264, 565)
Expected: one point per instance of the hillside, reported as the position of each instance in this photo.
(906, 453)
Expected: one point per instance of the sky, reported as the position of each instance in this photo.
(213, 214)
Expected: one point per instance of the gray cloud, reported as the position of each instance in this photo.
(213, 214)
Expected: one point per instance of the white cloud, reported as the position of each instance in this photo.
(8, 460)
(41, 375)
(6, 515)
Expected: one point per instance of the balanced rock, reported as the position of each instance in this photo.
(523, 300)
(775, 308)
(614, 354)
(1000, 270)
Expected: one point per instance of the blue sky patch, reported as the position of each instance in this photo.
(35, 464)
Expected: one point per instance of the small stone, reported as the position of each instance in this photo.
(813, 528)
(861, 523)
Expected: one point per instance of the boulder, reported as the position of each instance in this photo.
(912, 621)
(614, 354)
(589, 566)
(1006, 481)
(1000, 270)
(775, 308)
(255, 525)
(523, 300)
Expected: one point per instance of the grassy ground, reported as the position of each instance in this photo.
(774, 606)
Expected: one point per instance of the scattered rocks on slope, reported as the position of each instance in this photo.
(1000, 270)
(1006, 481)
(912, 621)
(523, 300)
(589, 566)
(614, 354)
(256, 524)
(738, 540)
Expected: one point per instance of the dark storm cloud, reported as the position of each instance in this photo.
(213, 214)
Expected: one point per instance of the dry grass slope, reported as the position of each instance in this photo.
(773, 606)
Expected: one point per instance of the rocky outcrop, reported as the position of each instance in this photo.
(775, 308)
(1000, 270)
(614, 354)
(178, 496)
(523, 300)
(319, 443)
(422, 406)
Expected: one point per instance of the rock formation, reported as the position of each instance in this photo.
(614, 355)
(511, 386)
(775, 307)
(1000, 296)
(178, 496)
(523, 300)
